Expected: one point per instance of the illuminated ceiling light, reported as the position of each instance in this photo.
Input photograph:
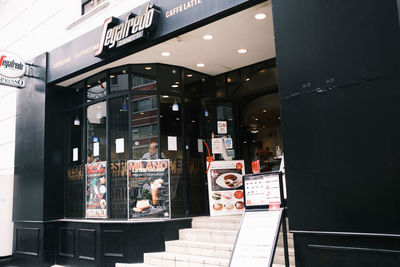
(247, 79)
(264, 110)
(165, 96)
(256, 119)
(244, 142)
(175, 106)
(77, 122)
(174, 85)
(88, 86)
(260, 16)
(161, 116)
(254, 131)
(147, 68)
(176, 82)
(242, 51)
(279, 118)
(123, 71)
(165, 54)
(193, 121)
(200, 65)
(141, 113)
(189, 75)
(178, 119)
(208, 37)
(112, 76)
(228, 80)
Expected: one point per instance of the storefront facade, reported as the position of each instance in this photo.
(108, 95)
(95, 103)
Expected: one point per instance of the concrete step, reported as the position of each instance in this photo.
(206, 235)
(199, 248)
(231, 222)
(166, 259)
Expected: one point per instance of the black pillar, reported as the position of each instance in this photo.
(39, 167)
(339, 80)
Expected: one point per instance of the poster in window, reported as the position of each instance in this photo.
(148, 191)
(96, 190)
(225, 187)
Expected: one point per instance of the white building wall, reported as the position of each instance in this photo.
(29, 28)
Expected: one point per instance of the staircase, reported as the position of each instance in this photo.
(208, 243)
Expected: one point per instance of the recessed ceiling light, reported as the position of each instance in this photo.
(165, 96)
(148, 68)
(279, 118)
(176, 82)
(174, 85)
(193, 121)
(260, 16)
(165, 54)
(178, 119)
(256, 119)
(189, 75)
(242, 51)
(112, 76)
(208, 37)
(264, 110)
(228, 80)
(141, 113)
(247, 79)
(200, 65)
(89, 86)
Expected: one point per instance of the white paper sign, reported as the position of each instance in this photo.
(96, 149)
(216, 145)
(75, 152)
(222, 127)
(200, 145)
(119, 145)
(172, 143)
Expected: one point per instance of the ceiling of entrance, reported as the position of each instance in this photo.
(220, 54)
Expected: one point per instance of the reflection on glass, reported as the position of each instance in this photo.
(119, 82)
(144, 124)
(96, 132)
(96, 87)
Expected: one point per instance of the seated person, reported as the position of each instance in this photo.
(153, 152)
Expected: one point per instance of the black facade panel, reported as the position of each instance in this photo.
(113, 243)
(66, 242)
(87, 244)
(27, 241)
(346, 251)
(29, 145)
(54, 159)
(338, 66)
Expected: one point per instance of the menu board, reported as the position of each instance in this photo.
(225, 187)
(96, 190)
(262, 189)
(256, 240)
(148, 190)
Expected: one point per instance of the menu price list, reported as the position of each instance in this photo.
(262, 190)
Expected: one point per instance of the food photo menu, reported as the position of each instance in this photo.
(225, 187)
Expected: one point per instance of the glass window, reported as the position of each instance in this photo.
(144, 124)
(169, 79)
(96, 132)
(119, 136)
(87, 6)
(96, 87)
(74, 200)
(143, 77)
(171, 147)
(119, 81)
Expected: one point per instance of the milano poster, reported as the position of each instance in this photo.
(96, 190)
(148, 191)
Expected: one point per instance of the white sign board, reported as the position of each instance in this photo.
(256, 240)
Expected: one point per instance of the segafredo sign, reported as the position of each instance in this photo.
(116, 34)
(12, 69)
